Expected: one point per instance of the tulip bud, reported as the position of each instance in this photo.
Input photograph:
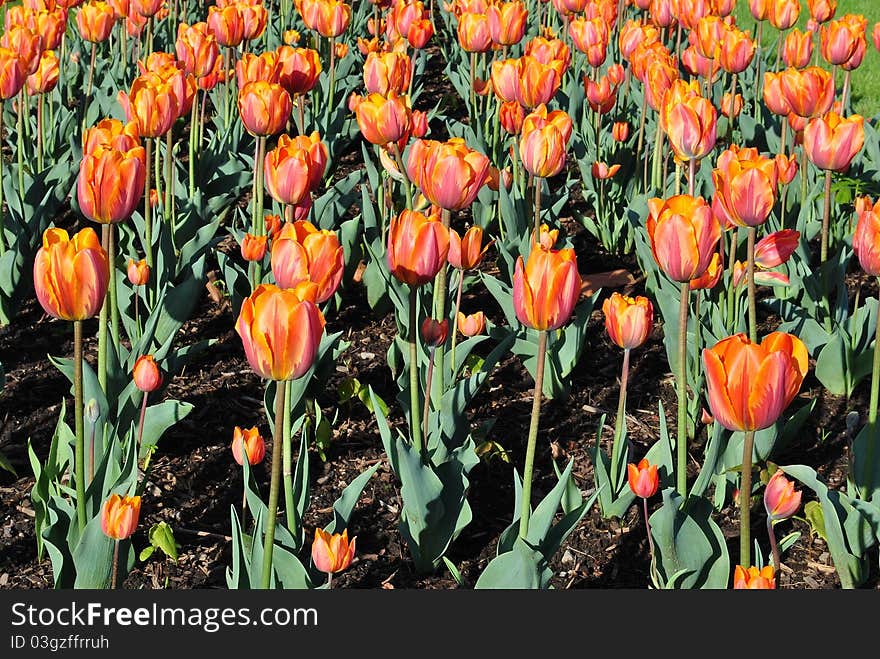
(248, 443)
(418, 247)
(628, 321)
(602, 171)
(383, 120)
(775, 249)
(866, 239)
(264, 108)
(671, 220)
(471, 325)
(332, 553)
(146, 374)
(253, 248)
(138, 272)
(119, 516)
(466, 253)
(781, 501)
(434, 333)
(450, 174)
(831, 142)
(644, 479)
(620, 131)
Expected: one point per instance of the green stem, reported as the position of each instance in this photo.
(440, 315)
(731, 289)
(826, 218)
(114, 574)
(619, 424)
(537, 221)
(803, 169)
(414, 371)
(287, 457)
(658, 159)
(79, 425)
(774, 548)
(455, 320)
(648, 528)
(428, 380)
(114, 304)
(398, 159)
(274, 485)
(102, 320)
(169, 180)
(681, 377)
(750, 274)
(40, 131)
(526, 504)
(472, 81)
(20, 145)
(148, 219)
(331, 90)
(872, 417)
(193, 132)
(142, 419)
(2, 214)
(745, 496)
(259, 222)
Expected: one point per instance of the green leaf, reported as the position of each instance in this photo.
(7, 465)
(162, 537)
(518, 569)
(93, 557)
(344, 505)
(453, 571)
(348, 389)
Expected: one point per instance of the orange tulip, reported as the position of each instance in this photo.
(119, 516)
(12, 74)
(544, 141)
(782, 14)
(602, 95)
(384, 120)
(303, 253)
(111, 183)
(298, 69)
(552, 52)
(760, 9)
(511, 116)
(591, 38)
(538, 81)
(858, 26)
(634, 34)
(251, 68)
(663, 13)
(683, 233)
(628, 321)
(434, 333)
(329, 18)
(504, 77)
(401, 18)
(95, 20)
(264, 107)
(332, 553)
(418, 246)
(248, 443)
(644, 479)
(281, 330)
(602, 171)
(226, 24)
(466, 253)
(745, 185)
(735, 50)
(473, 33)
(866, 239)
(71, 275)
(27, 44)
(775, 249)
(295, 167)
(546, 288)
(750, 384)
(253, 248)
(797, 49)
(196, 48)
(146, 374)
(151, 103)
(707, 35)
(822, 10)
(838, 41)
(138, 272)
(507, 22)
(875, 35)
(472, 324)
(183, 86)
(387, 72)
(45, 78)
(450, 174)
(710, 278)
(781, 501)
(689, 120)
(254, 17)
(50, 25)
(147, 8)
(832, 141)
(156, 61)
(660, 76)
(620, 131)
(753, 578)
(809, 93)
(111, 134)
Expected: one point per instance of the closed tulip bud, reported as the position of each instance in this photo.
(797, 49)
(620, 131)
(781, 501)
(45, 78)
(280, 330)
(295, 167)
(683, 233)
(832, 141)
(330, 18)
(71, 275)
(659, 78)
(731, 107)
(473, 33)
(111, 183)
(866, 239)
(273, 225)
(264, 107)
(302, 253)
(507, 22)
(753, 578)
(466, 253)
(332, 553)
(253, 248)
(782, 14)
(858, 26)
(226, 24)
(511, 116)
(707, 35)
(710, 278)
(297, 69)
(254, 18)
(786, 168)
(434, 333)
(419, 33)
(135, 24)
(602, 171)
(689, 120)
(27, 44)
(472, 324)
(146, 374)
(644, 479)
(196, 48)
(775, 249)
(387, 72)
(745, 185)
(544, 141)
(450, 174)
(809, 93)
(95, 20)
(663, 13)
(760, 9)
(628, 321)
(12, 74)
(773, 97)
(247, 443)
(151, 103)
(822, 10)
(750, 384)
(138, 272)
(419, 124)
(383, 120)
(418, 246)
(546, 288)
(119, 516)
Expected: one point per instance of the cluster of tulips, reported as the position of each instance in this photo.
(539, 83)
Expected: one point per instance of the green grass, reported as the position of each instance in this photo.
(866, 78)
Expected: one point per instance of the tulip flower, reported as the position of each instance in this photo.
(138, 272)
(119, 516)
(709, 279)
(111, 183)
(303, 253)
(251, 68)
(253, 248)
(384, 120)
(196, 48)
(776, 248)
(602, 171)
(809, 93)
(781, 501)
(298, 69)
(542, 147)
(797, 49)
(546, 288)
(832, 141)
(466, 253)
(151, 103)
(538, 81)
(689, 120)
(146, 374)
(643, 479)
(247, 443)
(418, 247)
(387, 72)
(866, 239)
(822, 10)
(628, 321)
(753, 578)
(591, 38)
(450, 174)
(745, 184)
(507, 22)
(601, 96)
(295, 167)
(782, 14)
(735, 50)
(620, 131)
(226, 24)
(254, 17)
(330, 18)
(472, 324)
(683, 233)
(838, 40)
(95, 20)
(264, 108)
(332, 553)
(749, 386)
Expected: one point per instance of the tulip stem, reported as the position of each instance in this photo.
(331, 89)
(845, 92)
(2, 215)
(537, 235)
(141, 419)
(114, 304)
(619, 423)
(259, 227)
(148, 220)
(20, 144)
(287, 458)
(473, 82)
(414, 371)
(439, 304)
(872, 417)
(102, 320)
(40, 136)
(648, 530)
(274, 484)
(733, 115)
(773, 546)
(826, 218)
(455, 320)
(803, 169)
(114, 574)
(398, 160)
(79, 425)
(193, 133)
(750, 274)
(526, 504)
(681, 377)
(745, 496)
(89, 83)
(428, 379)
(658, 159)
